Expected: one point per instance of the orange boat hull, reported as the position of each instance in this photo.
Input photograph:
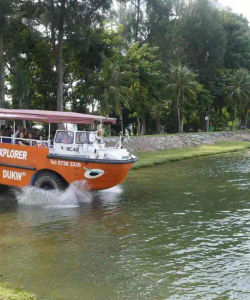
(20, 164)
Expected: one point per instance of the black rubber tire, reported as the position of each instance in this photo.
(49, 181)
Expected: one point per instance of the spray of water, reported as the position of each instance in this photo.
(76, 193)
(111, 195)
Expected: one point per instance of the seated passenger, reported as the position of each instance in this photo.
(64, 138)
(81, 138)
(31, 138)
(20, 141)
(51, 141)
(78, 140)
(67, 138)
(84, 138)
(59, 136)
(7, 135)
(41, 143)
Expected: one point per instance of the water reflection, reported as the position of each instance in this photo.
(178, 231)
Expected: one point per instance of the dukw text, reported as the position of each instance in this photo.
(13, 175)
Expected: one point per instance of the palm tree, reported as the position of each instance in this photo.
(182, 83)
(112, 91)
(238, 90)
(158, 110)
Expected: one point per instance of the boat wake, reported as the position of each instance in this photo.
(75, 194)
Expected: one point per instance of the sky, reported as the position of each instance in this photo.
(238, 6)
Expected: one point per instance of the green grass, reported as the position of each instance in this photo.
(149, 159)
(7, 293)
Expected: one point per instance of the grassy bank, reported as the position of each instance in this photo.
(148, 159)
(7, 293)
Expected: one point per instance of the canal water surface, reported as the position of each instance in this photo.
(175, 231)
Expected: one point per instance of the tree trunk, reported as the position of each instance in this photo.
(2, 93)
(138, 6)
(246, 121)
(59, 71)
(143, 124)
(138, 126)
(158, 125)
(235, 114)
(109, 129)
(121, 120)
(180, 122)
(207, 123)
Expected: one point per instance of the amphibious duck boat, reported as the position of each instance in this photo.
(72, 156)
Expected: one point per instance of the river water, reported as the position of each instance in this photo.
(175, 231)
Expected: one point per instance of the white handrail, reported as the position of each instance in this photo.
(30, 141)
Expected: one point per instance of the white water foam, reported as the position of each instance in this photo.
(111, 195)
(76, 193)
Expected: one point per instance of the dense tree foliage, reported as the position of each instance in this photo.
(157, 65)
(184, 87)
(239, 91)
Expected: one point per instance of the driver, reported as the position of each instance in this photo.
(67, 138)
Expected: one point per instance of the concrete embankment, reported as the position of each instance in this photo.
(177, 141)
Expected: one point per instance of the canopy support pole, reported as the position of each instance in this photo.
(14, 133)
(49, 136)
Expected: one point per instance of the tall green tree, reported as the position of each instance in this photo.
(203, 39)
(239, 91)
(132, 15)
(145, 80)
(237, 54)
(64, 18)
(162, 27)
(183, 86)
(6, 10)
(112, 92)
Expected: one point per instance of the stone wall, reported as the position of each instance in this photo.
(173, 141)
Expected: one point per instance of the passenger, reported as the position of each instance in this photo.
(40, 137)
(78, 138)
(7, 135)
(4, 134)
(31, 138)
(51, 141)
(84, 138)
(59, 137)
(41, 143)
(64, 138)
(67, 138)
(70, 139)
(20, 141)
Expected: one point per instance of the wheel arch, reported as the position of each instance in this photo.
(37, 173)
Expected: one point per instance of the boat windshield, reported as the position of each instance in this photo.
(65, 137)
